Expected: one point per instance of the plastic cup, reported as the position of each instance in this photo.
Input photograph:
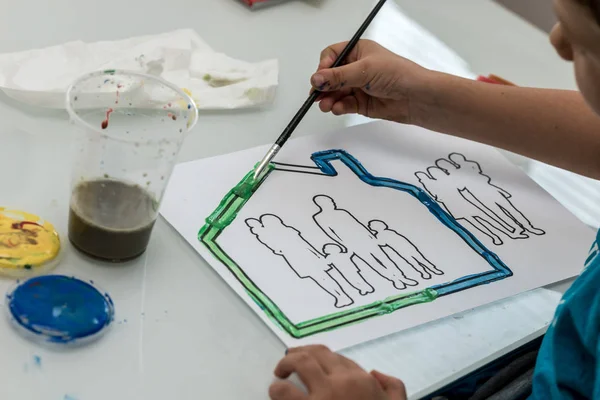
(130, 128)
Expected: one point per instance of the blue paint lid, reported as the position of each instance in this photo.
(59, 309)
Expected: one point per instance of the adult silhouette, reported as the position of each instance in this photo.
(287, 242)
(435, 182)
(344, 229)
(490, 198)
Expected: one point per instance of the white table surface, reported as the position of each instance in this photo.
(187, 335)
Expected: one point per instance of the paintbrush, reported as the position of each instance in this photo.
(287, 132)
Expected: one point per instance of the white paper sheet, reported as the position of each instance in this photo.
(215, 81)
(274, 253)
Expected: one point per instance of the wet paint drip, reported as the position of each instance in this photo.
(119, 86)
(224, 214)
(394, 303)
(26, 242)
(60, 309)
(107, 119)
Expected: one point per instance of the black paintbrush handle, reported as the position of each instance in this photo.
(350, 46)
(287, 132)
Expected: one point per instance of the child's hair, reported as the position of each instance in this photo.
(595, 5)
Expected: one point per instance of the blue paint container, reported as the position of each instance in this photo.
(59, 309)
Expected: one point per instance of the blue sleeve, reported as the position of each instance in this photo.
(597, 385)
(568, 365)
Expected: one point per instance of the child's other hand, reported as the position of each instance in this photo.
(329, 376)
(374, 82)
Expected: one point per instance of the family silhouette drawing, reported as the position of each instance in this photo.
(466, 193)
(354, 247)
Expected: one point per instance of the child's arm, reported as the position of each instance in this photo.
(554, 126)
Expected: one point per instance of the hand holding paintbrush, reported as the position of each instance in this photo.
(314, 95)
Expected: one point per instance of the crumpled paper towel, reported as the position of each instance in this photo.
(215, 81)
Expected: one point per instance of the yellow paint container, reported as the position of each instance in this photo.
(28, 245)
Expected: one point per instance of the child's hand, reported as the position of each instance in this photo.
(329, 376)
(374, 82)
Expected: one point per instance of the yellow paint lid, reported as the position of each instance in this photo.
(28, 245)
